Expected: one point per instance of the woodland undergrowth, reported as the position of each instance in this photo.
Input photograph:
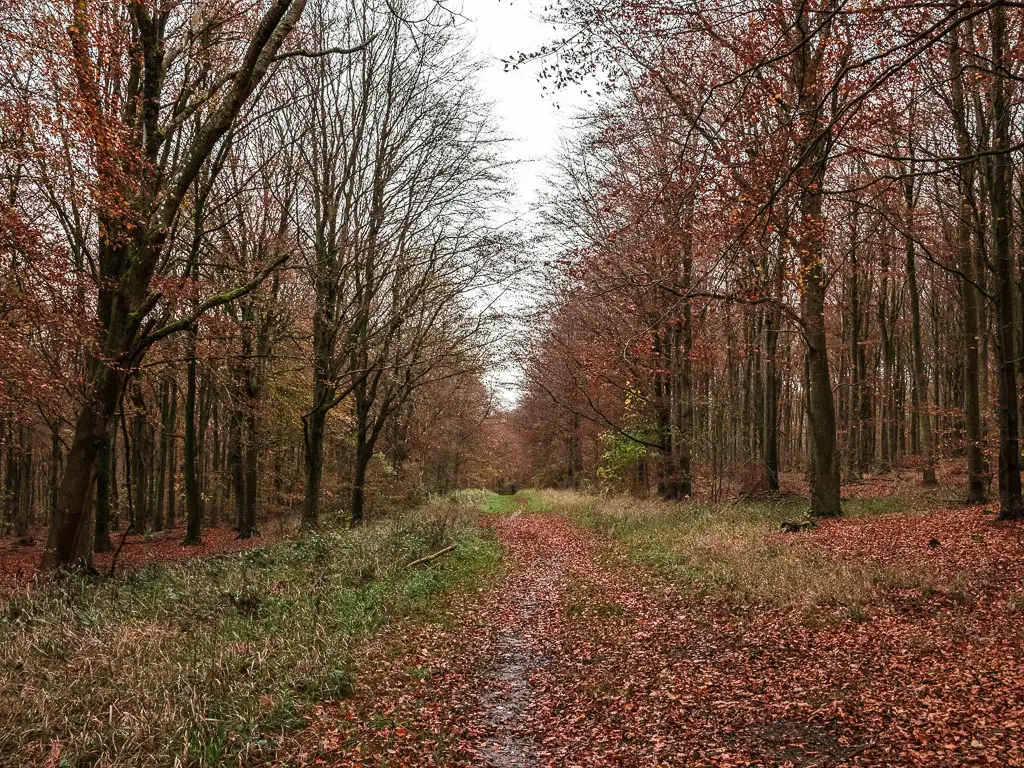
(736, 549)
(204, 661)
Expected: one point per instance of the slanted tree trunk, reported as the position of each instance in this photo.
(133, 236)
(70, 540)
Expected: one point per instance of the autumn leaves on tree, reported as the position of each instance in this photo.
(786, 240)
(198, 198)
(788, 233)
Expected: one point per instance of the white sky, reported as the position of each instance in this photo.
(526, 115)
(533, 120)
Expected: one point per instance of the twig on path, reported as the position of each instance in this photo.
(440, 552)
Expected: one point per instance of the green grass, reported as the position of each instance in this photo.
(526, 501)
(501, 505)
(922, 500)
(732, 549)
(203, 662)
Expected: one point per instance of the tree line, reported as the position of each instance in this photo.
(246, 262)
(790, 240)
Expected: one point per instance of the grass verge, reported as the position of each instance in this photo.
(202, 662)
(525, 502)
(733, 549)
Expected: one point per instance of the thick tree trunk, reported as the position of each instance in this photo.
(825, 477)
(70, 539)
(1000, 188)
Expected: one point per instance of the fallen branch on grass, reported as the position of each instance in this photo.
(801, 525)
(440, 552)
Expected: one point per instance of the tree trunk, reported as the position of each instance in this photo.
(969, 267)
(172, 455)
(770, 448)
(920, 377)
(247, 523)
(235, 464)
(140, 462)
(825, 479)
(70, 539)
(364, 452)
(56, 458)
(821, 414)
(105, 461)
(684, 387)
(313, 439)
(193, 500)
(19, 487)
(1000, 188)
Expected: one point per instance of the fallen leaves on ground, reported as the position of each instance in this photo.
(583, 659)
(19, 563)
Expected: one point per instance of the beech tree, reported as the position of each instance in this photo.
(396, 155)
(824, 164)
(143, 121)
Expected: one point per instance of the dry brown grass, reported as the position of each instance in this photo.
(733, 548)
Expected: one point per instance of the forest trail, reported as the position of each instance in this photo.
(594, 662)
(525, 622)
(582, 657)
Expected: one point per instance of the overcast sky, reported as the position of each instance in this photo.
(533, 121)
(527, 116)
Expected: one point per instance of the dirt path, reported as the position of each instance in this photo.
(580, 658)
(523, 626)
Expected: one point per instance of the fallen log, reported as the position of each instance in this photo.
(428, 558)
